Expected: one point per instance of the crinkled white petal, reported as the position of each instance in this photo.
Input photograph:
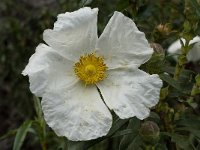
(130, 92)
(76, 112)
(74, 33)
(47, 69)
(193, 55)
(122, 44)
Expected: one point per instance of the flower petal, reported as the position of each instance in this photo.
(76, 112)
(42, 73)
(193, 55)
(130, 92)
(122, 44)
(74, 33)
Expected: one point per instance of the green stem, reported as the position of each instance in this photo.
(44, 146)
(181, 60)
(179, 68)
(195, 91)
(41, 121)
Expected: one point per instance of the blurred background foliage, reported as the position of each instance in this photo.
(174, 122)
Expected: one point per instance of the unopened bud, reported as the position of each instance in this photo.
(157, 48)
(154, 65)
(197, 79)
(163, 93)
(164, 29)
(150, 132)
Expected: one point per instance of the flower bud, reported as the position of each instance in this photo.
(150, 132)
(163, 93)
(165, 29)
(157, 48)
(197, 79)
(153, 66)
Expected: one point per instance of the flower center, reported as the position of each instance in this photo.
(90, 68)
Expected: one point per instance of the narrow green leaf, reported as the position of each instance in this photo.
(193, 131)
(118, 123)
(8, 134)
(36, 126)
(136, 144)
(154, 116)
(170, 81)
(129, 140)
(171, 70)
(198, 147)
(181, 140)
(123, 132)
(85, 2)
(160, 147)
(192, 122)
(21, 134)
(122, 4)
(196, 6)
(182, 87)
(39, 122)
(38, 107)
(83, 145)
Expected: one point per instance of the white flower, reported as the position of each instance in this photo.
(68, 72)
(193, 55)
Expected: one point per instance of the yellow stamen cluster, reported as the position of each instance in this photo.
(90, 69)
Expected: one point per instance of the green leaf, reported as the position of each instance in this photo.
(198, 147)
(160, 147)
(123, 132)
(136, 144)
(122, 4)
(85, 2)
(191, 130)
(39, 124)
(197, 78)
(21, 134)
(38, 107)
(185, 73)
(38, 129)
(170, 81)
(8, 134)
(191, 121)
(118, 123)
(83, 145)
(182, 141)
(196, 6)
(129, 141)
(154, 117)
(180, 86)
